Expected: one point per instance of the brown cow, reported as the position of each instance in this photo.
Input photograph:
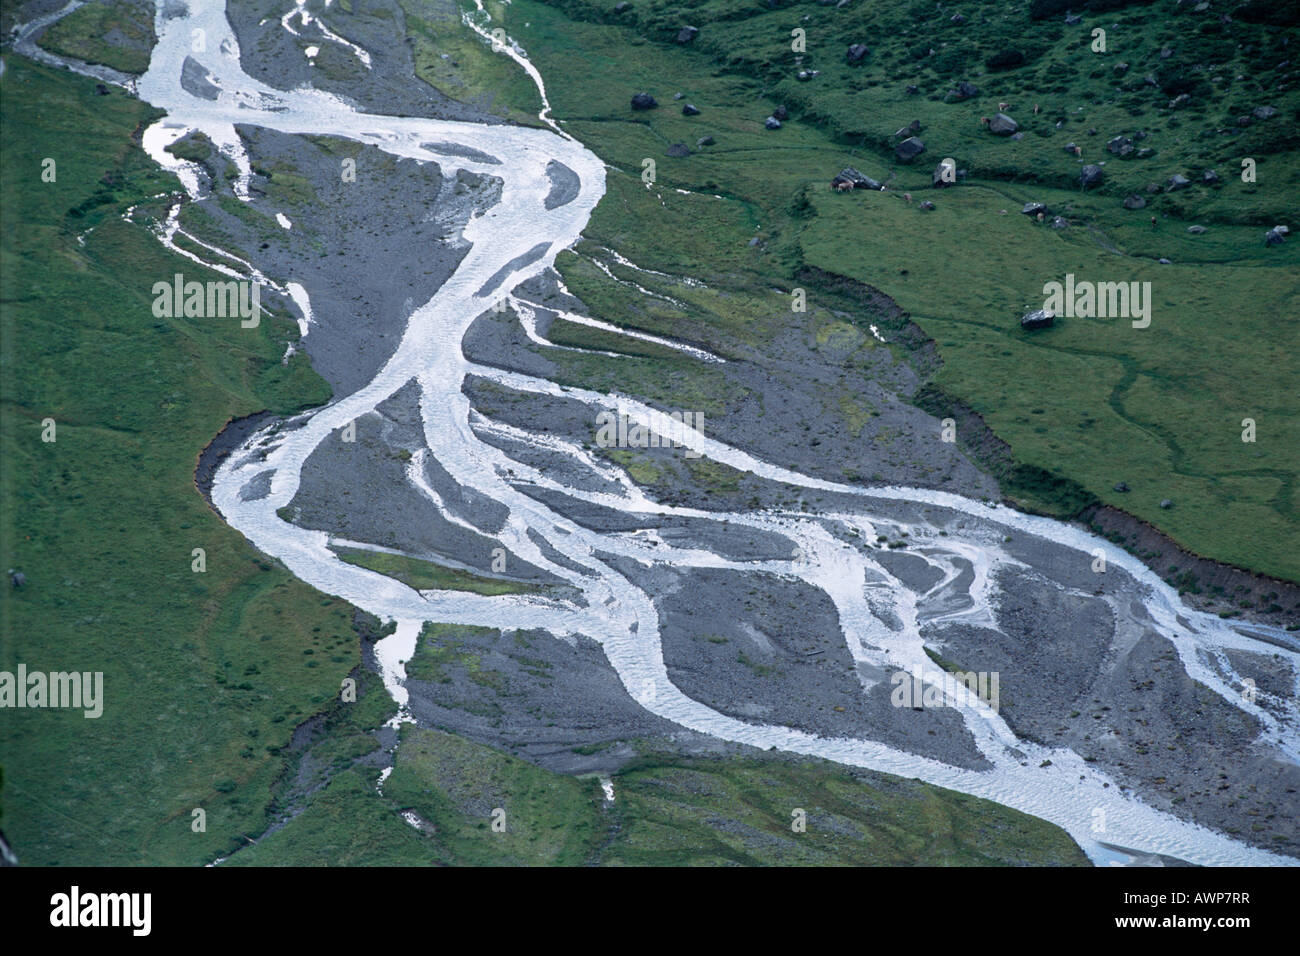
(842, 185)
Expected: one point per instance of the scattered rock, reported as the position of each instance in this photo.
(927, 205)
(911, 129)
(913, 89)
(957, 18)
(1210, 177)
(1059, 222)
(622, 7)
(856, 52)
(1120, 146)
(781, 113)
(772, 123)
(1034, 208)
(1120, 68)
(1038, 319)
(644, 101)
(17, 578)
(705, 141)
(1164, 262)
(678, 150)
(805, 75)
(1196, 230)
(1071, 147)
(1122, 487)
(909, 149)
(1073, 19)
(687, 34)
(1091, 175)
(1177, 181)
(1002, 125)
(1134, 201)
(1166, 504)
(965, 90)
(101, 89)
(1275, 236)
(850, 175)
(1146, 152)
(1263, 112)
(690, 110)
(1179, 101)
(1017, 137)
(1153, 187)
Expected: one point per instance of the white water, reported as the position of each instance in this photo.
(618, 615)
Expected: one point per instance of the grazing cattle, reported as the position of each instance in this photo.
(1078, 151)
(842, 185)
(984, 121)
(1002, 107)
(1036, 109)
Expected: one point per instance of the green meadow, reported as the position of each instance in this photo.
(1085, 405)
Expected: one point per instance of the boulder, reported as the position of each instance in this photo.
(1263, 112)
(1179, 101)
(1091, 175)
(1038, 319)
(1122, 487)
(678, 150)
(927, 205)
(622, 7)
(1059, 222)
(1166, 504)
(911, 129)
(1002, 125)
(1120, 146)
(1070, 147)
(1275, 236)
(945, 174)
(1073, 19)
(1210, 177)
(913, 89)
(781, 113)
(772, 123)
(909, 149)
(1034, 208)
(1134, 201)
(1196, 230)
(1177, 181)
(644, 101)
(966, 89)
(957, 18)
(850, 175)
(690, 110)
(804, 76)
(857, 52)
(687, 34)
(705, 141)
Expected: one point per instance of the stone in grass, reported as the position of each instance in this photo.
(1275, 236)
(1122, 487)
(1177, 181)
(1196, 230)
(927, 205)
(1038, 319)
(622, 7)
(772, 123)
(1060, 222)
(705, 141)
(909, 149)
(1166, 504)
(690, 109)
(850, 175)
(644, 101)
(1091, 175)
(1002, 125)
(687, 34)
(856, 53)
(678, 150)
(1134, 201)
(1210, 177)
(781, 113)
(1034, 208)
(1264, 112)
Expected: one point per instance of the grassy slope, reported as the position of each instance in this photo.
(205, 674)
(1093, 400)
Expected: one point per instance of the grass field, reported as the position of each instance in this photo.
(1091, 402)
(205, 675)
(425, 575)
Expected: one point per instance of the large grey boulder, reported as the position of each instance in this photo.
(687, 34)
(909, 149)
(644, 101)
(1091, 175)
(1002, 125)
(856, 53)
(1038, 319)
(850, 175)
